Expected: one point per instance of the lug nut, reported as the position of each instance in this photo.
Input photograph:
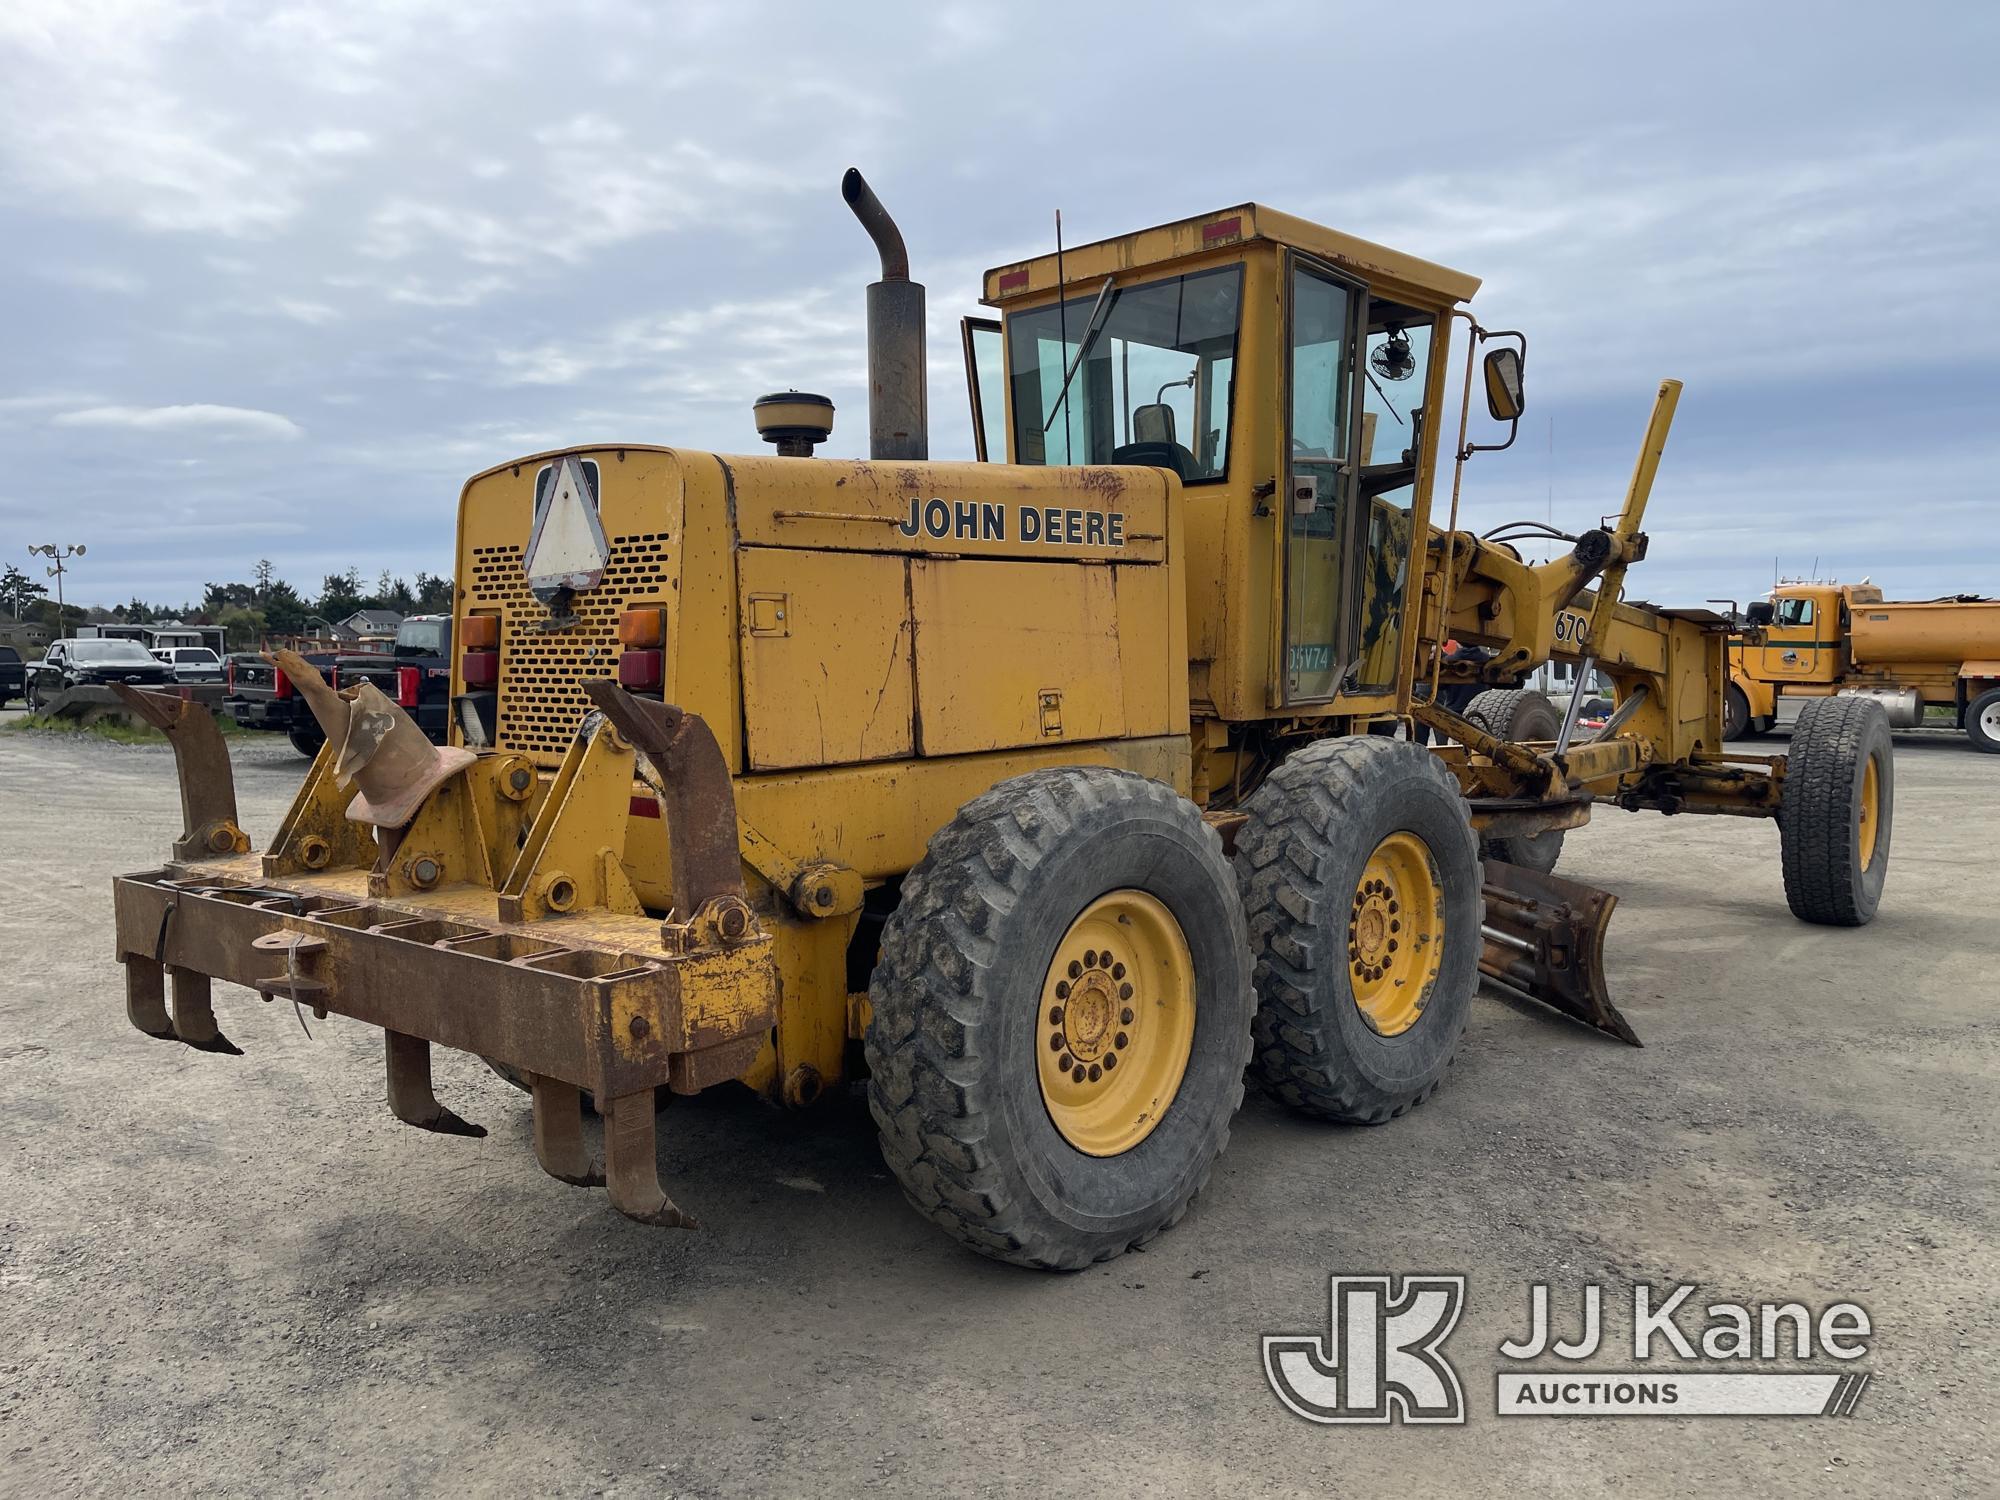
(1055, 1015)
(1062, 989)
(1125, 1016)
(1110, 1061)
(1118, 971)
(1075, 969)
(1095, 1072)
(1090, 958)
(1124, 992)
(1055, 1042)
(1120, 1040)
(1076, 1074)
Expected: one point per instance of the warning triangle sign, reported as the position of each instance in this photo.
(567, 549)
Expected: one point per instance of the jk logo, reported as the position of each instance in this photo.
(1380, 1359)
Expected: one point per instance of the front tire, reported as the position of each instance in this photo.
(1735, 713)
(1147, 1021)
(306, 741)
(1521, 715)
(1982, 722)
(1838, 811)
(1361, 883)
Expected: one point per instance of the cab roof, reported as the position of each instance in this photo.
(1218, 230)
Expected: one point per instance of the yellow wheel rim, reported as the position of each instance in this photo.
(1871, 811)
(1395, 933)
(1116, 1024)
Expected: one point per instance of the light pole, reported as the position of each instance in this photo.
(59, 555)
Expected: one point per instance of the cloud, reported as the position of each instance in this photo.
(304, 310)
(450, 232)
(240, 420)
(112, 279)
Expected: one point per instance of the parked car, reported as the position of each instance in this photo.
(191, 663)
(90, 663)
(259, 696)
(13, 676)
(416, 674)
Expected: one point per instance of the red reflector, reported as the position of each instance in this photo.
(281, 685)
(645, 807)
(409, 684)
(229, 678)
(480, 669)
(1222, 229)
(1013, 280)
(640, 669)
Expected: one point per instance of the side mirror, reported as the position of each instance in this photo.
(1761, 613)
(1504, 400)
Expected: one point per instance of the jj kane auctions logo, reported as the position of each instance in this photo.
(1382, 1357)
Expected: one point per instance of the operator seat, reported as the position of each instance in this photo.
(1153, 442)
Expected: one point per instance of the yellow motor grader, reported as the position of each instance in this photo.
(1059, 783)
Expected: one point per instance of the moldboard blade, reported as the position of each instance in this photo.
(1544, 937)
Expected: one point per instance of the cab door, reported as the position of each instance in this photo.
(1322, 412)
(1802, 642)
(986, 384)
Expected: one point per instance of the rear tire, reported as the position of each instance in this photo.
(962, 1013)
(306, 741)
(1520, 714)
(1982, 722)
(1735, 713)
(1838, 811)
(1302, 864)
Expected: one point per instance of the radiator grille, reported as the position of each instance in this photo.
(542, 674)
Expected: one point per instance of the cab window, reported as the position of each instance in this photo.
(1794, 612)
(1153, 384)
(1395, 372)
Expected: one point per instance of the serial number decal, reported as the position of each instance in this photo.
(989, 521)
(1570, 627)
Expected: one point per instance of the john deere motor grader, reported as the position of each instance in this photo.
(1051, 781)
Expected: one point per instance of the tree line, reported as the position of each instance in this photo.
(249, 611)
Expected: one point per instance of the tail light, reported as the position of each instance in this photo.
(228, 678)
(281, 685)
(409, 685)
(642, 665)
(642, 671)
(479, 666)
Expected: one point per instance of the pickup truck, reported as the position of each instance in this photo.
(259, 696)
(416, 674)
(13, 676)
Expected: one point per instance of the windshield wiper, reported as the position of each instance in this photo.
(1089, 338)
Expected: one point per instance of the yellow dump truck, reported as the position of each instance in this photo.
(1815, 640)
(1057, 784)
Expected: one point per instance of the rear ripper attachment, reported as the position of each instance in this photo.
(456, 898)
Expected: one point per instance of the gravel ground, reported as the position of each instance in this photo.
(241, 1275)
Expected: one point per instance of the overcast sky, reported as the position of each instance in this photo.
(278, 276)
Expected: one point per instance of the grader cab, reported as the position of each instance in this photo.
(1054, 780)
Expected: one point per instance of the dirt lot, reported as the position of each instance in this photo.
(240, 1274)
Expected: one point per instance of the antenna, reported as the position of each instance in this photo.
(1062, 332)
(1552, 469)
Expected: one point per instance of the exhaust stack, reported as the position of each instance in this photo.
(898, 421)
